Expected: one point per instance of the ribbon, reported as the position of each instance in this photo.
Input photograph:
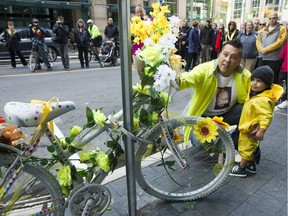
(45, 109)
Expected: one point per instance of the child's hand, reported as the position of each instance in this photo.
(260, 134)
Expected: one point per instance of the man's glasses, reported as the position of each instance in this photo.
(262, 24)
(272, 18)
(220, 28)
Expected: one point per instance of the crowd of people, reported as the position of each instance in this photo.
(80, 35)
(202, 43)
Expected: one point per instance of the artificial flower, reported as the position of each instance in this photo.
(136, 125)
(84, 156)
(205, 130)
(163, 77)
(2, 120)
(64, 176)
(103, 161)
(63, 142)
(11, 135)
(75, 130)
(219, 120)
(176, 62)
(99, 118)
(151, 56)
(139, 89)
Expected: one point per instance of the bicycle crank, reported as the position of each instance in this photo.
(90, 200)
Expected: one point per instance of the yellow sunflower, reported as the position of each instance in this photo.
(219, 120)
(205, 130)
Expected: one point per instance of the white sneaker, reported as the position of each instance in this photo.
(283, 105)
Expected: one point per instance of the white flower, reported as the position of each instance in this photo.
(174, 21)
(162, 77)
(168, 39)
(148, 41)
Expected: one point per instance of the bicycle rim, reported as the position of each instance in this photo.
(159, 175)
(38, 191)
(32, 62)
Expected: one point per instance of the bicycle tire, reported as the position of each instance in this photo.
(203, 175)
(32, 62)
(40, 190)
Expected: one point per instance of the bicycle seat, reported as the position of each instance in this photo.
(30, 115)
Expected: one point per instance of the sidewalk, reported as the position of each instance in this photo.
(263, 194)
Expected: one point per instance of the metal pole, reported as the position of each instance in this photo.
(126, 78)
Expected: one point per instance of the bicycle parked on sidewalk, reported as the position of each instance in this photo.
(33, 64)
(166, 167)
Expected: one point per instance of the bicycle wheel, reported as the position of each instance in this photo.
(208, 165)
(32, 62)
(34, 191)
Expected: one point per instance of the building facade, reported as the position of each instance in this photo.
(220, 11)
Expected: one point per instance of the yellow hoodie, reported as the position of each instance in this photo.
(259, 109)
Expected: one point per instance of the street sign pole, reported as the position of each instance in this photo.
(126, 78)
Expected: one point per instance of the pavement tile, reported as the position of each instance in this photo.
(211, 205)
(230, 195)
(279, 155)
(277, 186)
(159, 208)
(247, 210)
(266, 203)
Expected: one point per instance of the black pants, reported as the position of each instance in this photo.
(191, 58)
(282, 77)
(83, 50)
(274, 65)
(12, 56)
(232, 117)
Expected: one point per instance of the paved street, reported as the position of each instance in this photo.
(264, 194)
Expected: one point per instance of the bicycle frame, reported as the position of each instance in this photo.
(94, 132)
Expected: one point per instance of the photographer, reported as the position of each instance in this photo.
(37, 34)
(61, 39)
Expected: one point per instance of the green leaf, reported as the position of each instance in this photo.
(190, 205)
(44, 162)
(89, 116)
(73, 149)
(51, 149)
(143, 116)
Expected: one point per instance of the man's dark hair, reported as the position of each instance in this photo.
(235, 43)
(61, 18)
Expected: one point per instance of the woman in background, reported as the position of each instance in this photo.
(12, 37)
(82, 39)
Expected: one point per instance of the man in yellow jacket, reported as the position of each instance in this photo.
(210, 79)
(96, 37)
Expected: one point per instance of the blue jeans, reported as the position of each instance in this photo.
(63, 50)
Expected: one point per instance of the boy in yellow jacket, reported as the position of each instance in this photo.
(257, 114)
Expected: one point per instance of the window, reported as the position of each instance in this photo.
(255, 3)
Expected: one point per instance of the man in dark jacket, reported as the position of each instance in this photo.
(206, 35)
(183, 39)
(61, 31)
(193, 46)
(111, 31)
